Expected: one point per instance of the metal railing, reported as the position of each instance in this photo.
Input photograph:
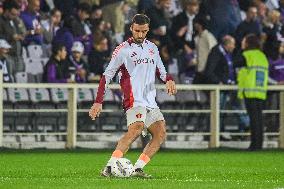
(72, 107)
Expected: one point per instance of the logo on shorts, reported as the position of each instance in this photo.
(139, 116)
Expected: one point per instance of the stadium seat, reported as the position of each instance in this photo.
(173, 68)
(167, 102)
(9, 117)
(34, 69)
(18, 95)
(85, 101)
(46, 121)
(187, 101)
(44, 61)
(203, 98)
(5, 96)
(186, 97)
(24, 53)
(191, 100)
(59, 97)
(20, 100)
(34, 51)
(21, 77)
(84, 95)
(110, 121)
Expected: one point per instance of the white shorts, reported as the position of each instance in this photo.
(147, 116)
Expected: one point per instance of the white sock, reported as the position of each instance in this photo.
(111, 161)
(115, 156)
(139, 164)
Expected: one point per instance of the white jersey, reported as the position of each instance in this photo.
(138, 64)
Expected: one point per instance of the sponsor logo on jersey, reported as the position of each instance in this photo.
(143, 61)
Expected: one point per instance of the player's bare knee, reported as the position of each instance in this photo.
(163, 132)
(162, 136)
(135, 129)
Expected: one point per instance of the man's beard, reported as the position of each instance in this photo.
(139, 40)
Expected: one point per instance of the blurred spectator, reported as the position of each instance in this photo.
(23, 4)
(104, 28)
(132, 2)
(67, 7)
(262, 10)
(144, 5)
(10, 31)
(205, 41)
(64, 35)
(1, 8)
(160, 29)
(90, 2)
(80, 28)
(272, 24)
(252, 82)
(224, 16)
(220, 70)
(96, 16)
(281, 9)
(219, 66)
(272, 4)
(115, 15)
(99, 57)
(245, 4)
(31, 20)
(183, 32)
(159, 25)
(51, 25)
(249, 25)
(275, 56)
(108, 2)
(98, 24)
(272, 29)
(175, 8)
(78, 69)
(4, 49)
(46, 6)
(56, 69)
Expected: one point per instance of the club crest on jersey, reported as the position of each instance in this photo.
(139, 116)
(151, 52)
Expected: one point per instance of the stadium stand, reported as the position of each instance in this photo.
(20, 99)
(44, 121)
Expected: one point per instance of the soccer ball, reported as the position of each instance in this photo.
(122, 168)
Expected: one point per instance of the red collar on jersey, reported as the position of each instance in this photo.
(131, 41)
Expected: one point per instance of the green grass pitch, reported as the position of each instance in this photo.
(171, 169)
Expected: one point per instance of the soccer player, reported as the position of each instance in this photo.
(139, 62)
